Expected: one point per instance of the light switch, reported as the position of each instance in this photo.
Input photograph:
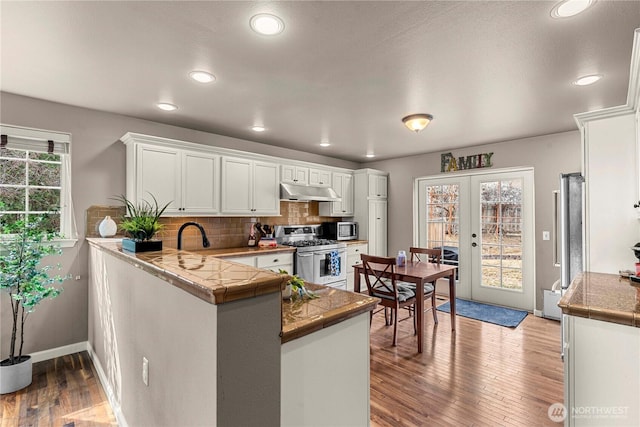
(546, 235)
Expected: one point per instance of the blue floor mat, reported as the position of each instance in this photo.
(487, 313)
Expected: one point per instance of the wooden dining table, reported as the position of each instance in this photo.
(418, 273)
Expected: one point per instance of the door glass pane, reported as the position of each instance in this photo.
(443, 223)
(501, 240)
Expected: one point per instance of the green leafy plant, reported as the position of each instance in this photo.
(297, 286)
(141, 221)
(22, 247)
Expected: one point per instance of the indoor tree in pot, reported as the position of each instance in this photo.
(23, 245)
(141, 223)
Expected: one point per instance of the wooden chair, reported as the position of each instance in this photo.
(393, 293)
(427, 255)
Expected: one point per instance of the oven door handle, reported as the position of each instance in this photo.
(304, 255)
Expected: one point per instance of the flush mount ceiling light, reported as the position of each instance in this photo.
(568, 8)
(258, 128)
(166, 106)
(266, 24)
(202, 76)
(587, 80)
(417, 122)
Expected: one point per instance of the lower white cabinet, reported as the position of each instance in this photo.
(274, 261)
(353, 257)
(602, 373)
(377, 227)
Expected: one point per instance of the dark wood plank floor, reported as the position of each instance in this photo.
(484, 375)
(65, 392)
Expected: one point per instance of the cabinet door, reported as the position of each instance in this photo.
(200, 183)
(319, 178)
(237, 185)
(347, 195)
(266, 189)
(294, 174)
(158, 173)
(246, 260)
(378, 186)
(378, 227)
(353, 258)
(276, 261)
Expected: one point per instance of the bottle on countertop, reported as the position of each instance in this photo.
(401, 259)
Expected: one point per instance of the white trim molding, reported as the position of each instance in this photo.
(52, 353)
(115, 407)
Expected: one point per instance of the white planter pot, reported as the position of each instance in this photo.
(15, 377)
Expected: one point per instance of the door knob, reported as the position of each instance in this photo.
(474, 244)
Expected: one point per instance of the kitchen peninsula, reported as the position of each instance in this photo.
(187, 338)
(602, 349)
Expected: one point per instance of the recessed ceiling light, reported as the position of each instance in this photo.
(258, 128)
(266, 24)
(202, 76)
(587, 80)
(166, 106)
(371, 155)
(324, 144)
(568, 8)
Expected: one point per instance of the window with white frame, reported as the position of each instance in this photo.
(35, 178)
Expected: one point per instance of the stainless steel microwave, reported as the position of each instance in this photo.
(343, 230)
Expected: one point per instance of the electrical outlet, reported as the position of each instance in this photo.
(145, 371)
(546, 235)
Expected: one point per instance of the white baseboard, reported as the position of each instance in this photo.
(115, 406)
(52, 353)
(537, 313)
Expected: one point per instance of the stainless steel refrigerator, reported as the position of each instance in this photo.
(569, 221)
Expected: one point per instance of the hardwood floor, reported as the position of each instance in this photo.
(65, 392)
(483, 375)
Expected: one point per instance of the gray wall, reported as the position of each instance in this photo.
(549, 155)
(98, 173)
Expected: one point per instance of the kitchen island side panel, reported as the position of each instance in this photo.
(132, 315)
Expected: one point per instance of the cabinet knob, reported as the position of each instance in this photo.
(276, 260)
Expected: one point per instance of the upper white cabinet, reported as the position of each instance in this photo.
(294, 174)
(188, 180)
(342, 183)
(377, 187)
(249, 187)
(319, 177)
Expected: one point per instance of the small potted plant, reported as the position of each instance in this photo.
(295, 288)
(141, 223)
(23, 245)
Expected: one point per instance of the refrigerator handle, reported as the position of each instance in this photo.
(554, 229)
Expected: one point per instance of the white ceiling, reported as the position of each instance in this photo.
(342, 71)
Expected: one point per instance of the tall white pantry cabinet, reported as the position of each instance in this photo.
(370, 208)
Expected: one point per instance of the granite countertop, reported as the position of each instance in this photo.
(202, 274)
(302, 317)
(208, 276)
(606, 297)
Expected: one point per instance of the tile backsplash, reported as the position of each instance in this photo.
(222, 232)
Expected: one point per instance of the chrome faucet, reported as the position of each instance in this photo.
(205, 241)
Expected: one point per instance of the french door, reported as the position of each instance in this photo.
(482, 222)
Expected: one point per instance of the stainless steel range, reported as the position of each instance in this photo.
(319, 261)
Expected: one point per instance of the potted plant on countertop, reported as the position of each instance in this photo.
(23, 245)
(295, 288)
(141, 223)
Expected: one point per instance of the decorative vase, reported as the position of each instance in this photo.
(286, 292)
(108, 227)
(15, 377)
(141, 245)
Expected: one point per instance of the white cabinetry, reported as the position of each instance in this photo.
(189, 180)
(377, 186)
(294, 174)
(274, 261)
(370, 209)
(249, 187)
(353, 257)
(319, 177)
(342, 183)
(602, 373)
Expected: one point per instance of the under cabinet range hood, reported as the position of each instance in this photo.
(304, 193)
